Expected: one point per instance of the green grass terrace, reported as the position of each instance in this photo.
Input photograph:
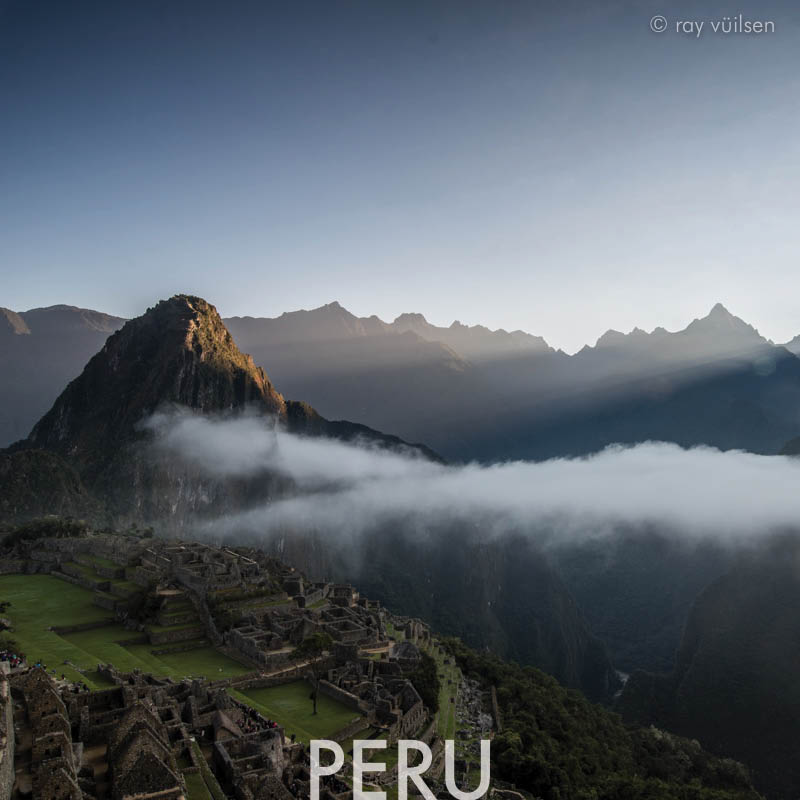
(41, 602)
(290, 706)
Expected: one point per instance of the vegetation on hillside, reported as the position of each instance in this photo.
(44, 528)
(37, 482)
(635, 589)
(557, 745)
(426, 681)
(734, 684)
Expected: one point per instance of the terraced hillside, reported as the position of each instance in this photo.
(60, 624)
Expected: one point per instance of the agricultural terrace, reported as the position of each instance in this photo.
(41, 602)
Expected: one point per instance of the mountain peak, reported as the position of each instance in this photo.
(720, 312)
(720, 321)
(410, 318)
(179, 351)
(54, 320)
(11, 322)
(720, 315)
(611, 338)
(793, 346)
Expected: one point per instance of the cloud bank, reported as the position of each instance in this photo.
(355, 487)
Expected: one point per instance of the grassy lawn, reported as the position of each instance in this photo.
(388, 756)
(129, 587)
(447, 710)
(196, 786)
(396, 633)
(41, 601)
(155, 628)
(290, 706)
(87, 572)
(102, 562)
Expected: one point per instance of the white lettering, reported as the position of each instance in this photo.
(359, 768)
(404, 771)
(317, 770)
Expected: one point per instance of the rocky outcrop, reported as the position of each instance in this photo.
(179, 352)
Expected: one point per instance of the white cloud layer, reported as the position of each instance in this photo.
(355, 487)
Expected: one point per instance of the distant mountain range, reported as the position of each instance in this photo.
(466, 391)
(41, 350)
(476, 394)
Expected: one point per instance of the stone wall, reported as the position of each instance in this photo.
(430, 730)
(312, 597)
(104, 571)
(251, 648)
(341, 696)
(106, 601)
(203, 611)
(181, 648)
(72, 574)
(7, 741)
(349, 731)
(258, 681)
(84, 626)
(144, 577)
(122, 592)
(180, 635)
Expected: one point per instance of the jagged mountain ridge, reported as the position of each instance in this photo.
(515, 397)
(793, 346)
(492, 395)
(333, 321)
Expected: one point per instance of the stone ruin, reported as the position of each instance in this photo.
(142, 737)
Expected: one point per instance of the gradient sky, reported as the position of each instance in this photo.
(555, 167)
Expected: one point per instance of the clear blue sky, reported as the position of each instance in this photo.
(555, 167)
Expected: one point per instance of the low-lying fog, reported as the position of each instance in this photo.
(356, 486)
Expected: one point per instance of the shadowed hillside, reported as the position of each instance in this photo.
(734, 685)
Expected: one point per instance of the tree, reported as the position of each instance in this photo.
(426, 681)
(313, 648)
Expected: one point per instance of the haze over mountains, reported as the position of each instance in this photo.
(41, 350)
(468, 392)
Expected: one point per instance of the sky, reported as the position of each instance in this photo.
(551, 166)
